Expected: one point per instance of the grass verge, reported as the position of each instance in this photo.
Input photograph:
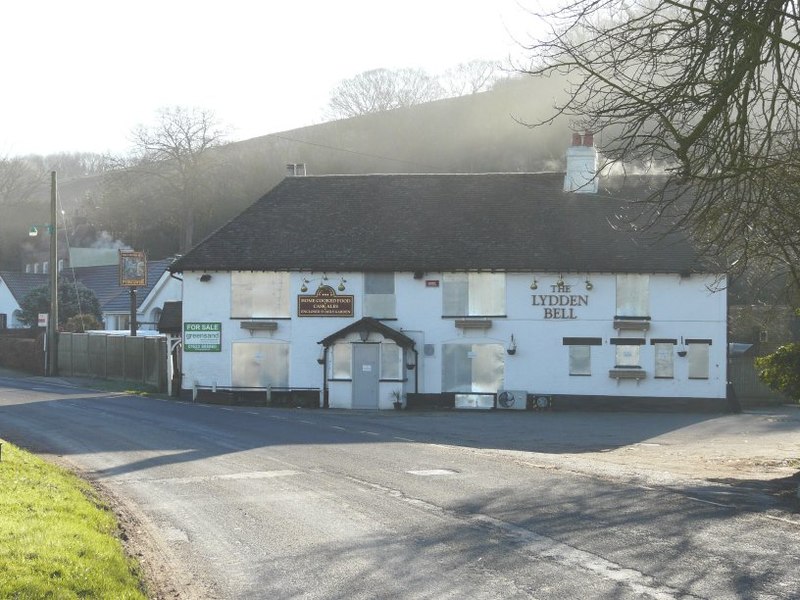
(57, 538)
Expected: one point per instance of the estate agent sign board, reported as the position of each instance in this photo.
(324, 303)
(202, 337)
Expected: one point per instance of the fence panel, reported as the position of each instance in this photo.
(115, 357)
(134, 358)
(80, 353)
(155, 362)
(744, 377)
(97, 355)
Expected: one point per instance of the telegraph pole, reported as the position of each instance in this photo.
(52, 321)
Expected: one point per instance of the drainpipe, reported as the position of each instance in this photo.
(325, 402)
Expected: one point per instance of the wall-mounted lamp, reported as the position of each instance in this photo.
(512, 346)
(589, 285)
(560, 282)
(342, 281)
(321, 357)
(363, 334)
(534, 284)
(205, 277)
(410, 360)
(304, 286)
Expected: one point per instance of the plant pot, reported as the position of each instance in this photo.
(398, 405)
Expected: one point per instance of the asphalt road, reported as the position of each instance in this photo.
(274, 503)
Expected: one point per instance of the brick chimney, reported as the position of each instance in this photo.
(581, 165)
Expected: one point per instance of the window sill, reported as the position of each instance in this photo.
(259, 325)
(473, 323)
(627, 373)
(632, 323)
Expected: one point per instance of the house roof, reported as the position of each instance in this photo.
(439, 222)
(103, 280)
(20, 284)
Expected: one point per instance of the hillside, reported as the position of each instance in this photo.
(468, 134)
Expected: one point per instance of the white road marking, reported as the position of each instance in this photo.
(709, 502)
(368, 433)
(404, 439)
(207, 478)
(431, 472)
(543, 547)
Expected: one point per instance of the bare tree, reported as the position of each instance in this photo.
(472, 77)
(19, 179)
(176, 151)
(708, 89)
(383, 89)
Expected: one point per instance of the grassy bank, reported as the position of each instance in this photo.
(57, 538)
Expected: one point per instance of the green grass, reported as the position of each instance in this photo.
(57, 538)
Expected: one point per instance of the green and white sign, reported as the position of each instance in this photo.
(202, 337)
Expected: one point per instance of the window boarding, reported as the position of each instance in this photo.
(633, 295)
(474, 294)
(263, 294)
(580, 354)
(698, 354)
(379, 296)
(259, 365)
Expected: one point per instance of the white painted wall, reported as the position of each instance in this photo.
(679, 308)
(8, 306)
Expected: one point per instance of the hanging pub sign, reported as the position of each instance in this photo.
(324, 303)
(132, 268)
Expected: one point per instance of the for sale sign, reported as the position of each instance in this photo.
(202, 337)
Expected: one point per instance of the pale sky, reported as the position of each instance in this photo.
(80, 75)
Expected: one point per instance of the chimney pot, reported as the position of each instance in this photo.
(588, 139)
(576, 139)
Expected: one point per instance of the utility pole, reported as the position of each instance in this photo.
(52, 321)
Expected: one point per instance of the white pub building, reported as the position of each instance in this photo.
(501, 290)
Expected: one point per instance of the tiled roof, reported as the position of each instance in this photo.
(503, 221)
(20, 284)
(104, 282)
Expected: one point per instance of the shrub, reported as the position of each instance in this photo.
(780, 371)
(81, 323)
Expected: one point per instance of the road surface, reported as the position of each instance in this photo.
(244, 502)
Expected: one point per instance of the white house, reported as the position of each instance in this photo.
(451, 289)
(14, 286)
(103, 280)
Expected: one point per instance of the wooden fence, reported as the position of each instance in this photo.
(136, 359)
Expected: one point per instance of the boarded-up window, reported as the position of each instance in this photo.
(260, 364)
(664, 360)
(257, 295)
(580, 360)
(580, 353)
(379, 299)
(627, 351)
(391, 361)
(633, 295)
(472, 367)
(698, 359)
(341, 360)
(474, 294)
